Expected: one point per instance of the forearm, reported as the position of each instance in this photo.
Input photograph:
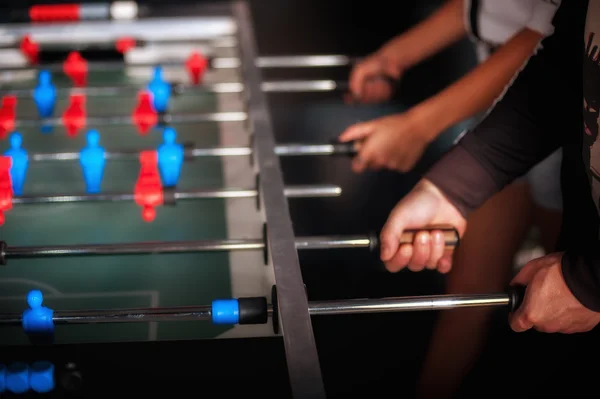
(441, 29)
(478, 90)
(520, 131)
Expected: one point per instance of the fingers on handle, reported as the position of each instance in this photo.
(421, 251)
(518, 319)
(357, 77)
(438, 246)
(425, 248)
(356, 132)
(400, 259)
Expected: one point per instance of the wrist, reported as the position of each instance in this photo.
(422, 121)
(394, 55)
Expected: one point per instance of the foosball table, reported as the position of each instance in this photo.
(142, 199)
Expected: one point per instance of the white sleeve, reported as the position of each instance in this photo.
(542, 14)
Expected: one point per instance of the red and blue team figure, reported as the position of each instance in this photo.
(19, 164)
(92, 158)
(44, 94)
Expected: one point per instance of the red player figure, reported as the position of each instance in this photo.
(8, 113)
(125, 44)
(30, 49)
(74, 117)
(144, 114)
(76, 68)
(148, 188)
(196, 65)
(6, 191)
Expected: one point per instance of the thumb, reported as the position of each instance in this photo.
(526, 274)
(356, 132)
(392, 232)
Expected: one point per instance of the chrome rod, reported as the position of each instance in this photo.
(282, 86)
(325, 190)
(286, 61)
(137, 315)
(128, 120)
(370, 242)
(133, 155)
(406, 304)
(316, 308)
(159, 247)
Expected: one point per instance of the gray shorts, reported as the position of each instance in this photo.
(544, 182)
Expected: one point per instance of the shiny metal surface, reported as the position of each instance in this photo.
(137, 315)
(290, 61)
(316, 308)
(134, 248)
(133, 155)
(325, 190)
(281, 86)
(332, 242)
(406, 304)
(287, 61)
(161, 247)
(127, 120)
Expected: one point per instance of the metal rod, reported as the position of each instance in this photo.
(159, 247)
(283, 86)
(127, 120)
(145, 248)
(137, 315)
(104, 43)
(406, 304)
(315, 308)
(286, 61)
(133, 155)
(325, 190)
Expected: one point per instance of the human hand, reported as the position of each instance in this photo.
(371, 79)
(395, 142)
(424, 206)
(548, 304)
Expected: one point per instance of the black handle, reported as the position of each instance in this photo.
(344, 149)
(516, 294)
(188, 149)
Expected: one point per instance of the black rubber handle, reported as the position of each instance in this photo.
(344, 149)
(188, 148)
(516, 294)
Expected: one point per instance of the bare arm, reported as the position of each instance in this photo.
(476, 91)
(441, 29)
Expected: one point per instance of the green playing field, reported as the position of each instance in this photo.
(116, 281)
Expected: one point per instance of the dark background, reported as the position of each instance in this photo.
(373, 356)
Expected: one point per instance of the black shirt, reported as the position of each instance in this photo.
(540, 112)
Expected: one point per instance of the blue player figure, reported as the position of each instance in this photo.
(38, 319)
(20, 162)
(44, 95)
(92, 162)
(170, 158)
(160, 89)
